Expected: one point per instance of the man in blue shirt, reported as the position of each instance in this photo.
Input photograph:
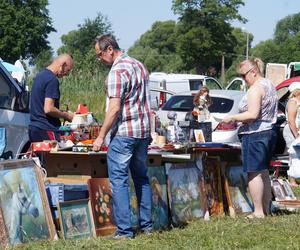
(45, 114)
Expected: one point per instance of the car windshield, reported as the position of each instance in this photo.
(185, 103)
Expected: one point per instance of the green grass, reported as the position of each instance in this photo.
(274, 232)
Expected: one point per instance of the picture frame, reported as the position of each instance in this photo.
(236, 189)
(288, 190)
(199, 135)
(278, 190)
(102, 206)
(186, 194)
(76, 220)
(25, 214)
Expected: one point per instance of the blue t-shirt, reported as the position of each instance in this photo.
(44, 85)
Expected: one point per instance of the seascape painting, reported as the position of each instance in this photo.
(22, 206)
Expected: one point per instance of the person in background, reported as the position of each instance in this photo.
(291, 130)
(128, 118)
(202, 101)
(258, 112)
(45, 114)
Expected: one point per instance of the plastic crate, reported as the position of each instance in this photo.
(75, 192)
(55, 193)
(59, 192)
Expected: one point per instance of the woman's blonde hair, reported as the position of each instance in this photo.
(256, 63)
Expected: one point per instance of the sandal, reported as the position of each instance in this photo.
(253, 216)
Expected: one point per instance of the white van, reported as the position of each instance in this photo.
(182, 82)
(14, 115)
(177, 83)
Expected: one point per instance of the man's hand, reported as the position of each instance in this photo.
(97, 144)
(69, 116)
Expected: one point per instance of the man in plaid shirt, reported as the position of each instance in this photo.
(128, 118)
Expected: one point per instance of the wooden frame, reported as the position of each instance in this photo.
(24, 209)
(101, 203)
(278, 190)
(76, 220)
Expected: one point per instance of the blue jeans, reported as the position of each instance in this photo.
(124, 153)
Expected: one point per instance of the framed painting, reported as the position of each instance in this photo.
(134, 210)
(236, 190)
(160, 209)
(278, 190)
(213, 185)
(76, 220)
(25, 215)
(102, 207)
(288, 190)
(185, 194)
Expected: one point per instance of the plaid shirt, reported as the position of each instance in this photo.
(128, 80)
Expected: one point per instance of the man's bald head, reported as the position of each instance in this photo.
(61, 65)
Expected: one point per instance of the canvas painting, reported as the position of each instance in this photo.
(185, 196)
(278, 190)
(288, 190)
(24, 207)
(102, 205)
(160, 211)
(199, 135)
(76, 220)
(238, 189)
(134, 211)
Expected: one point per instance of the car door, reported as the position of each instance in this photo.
(212, 83)
(12, 120)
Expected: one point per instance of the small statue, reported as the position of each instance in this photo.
(202, 101)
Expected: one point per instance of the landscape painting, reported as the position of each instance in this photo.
(185, 197)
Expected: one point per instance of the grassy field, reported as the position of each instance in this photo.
(276, 232)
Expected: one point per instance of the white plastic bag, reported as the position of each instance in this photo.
(294, 152)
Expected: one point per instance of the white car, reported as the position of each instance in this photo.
(237, 83)
(224, 102)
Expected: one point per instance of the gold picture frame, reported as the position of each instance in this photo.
(25, 214)
(76, 219)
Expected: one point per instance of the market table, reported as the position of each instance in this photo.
(191, 184)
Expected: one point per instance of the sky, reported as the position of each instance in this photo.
(132, 18)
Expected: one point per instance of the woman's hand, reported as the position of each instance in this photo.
(228, 119)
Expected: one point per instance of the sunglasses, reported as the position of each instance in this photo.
(245, 74)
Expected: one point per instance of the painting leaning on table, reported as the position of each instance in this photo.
(22, 206)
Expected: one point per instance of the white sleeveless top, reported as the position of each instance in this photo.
(268, 111)
(297, 115)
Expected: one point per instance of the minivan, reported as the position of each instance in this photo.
(14, 115)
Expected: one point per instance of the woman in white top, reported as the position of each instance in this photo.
(291, 129)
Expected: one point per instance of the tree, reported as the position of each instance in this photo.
(156, 48)
(25, 25)
(204, 31)
(268, 51)
(287, 27)
(81, 40)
